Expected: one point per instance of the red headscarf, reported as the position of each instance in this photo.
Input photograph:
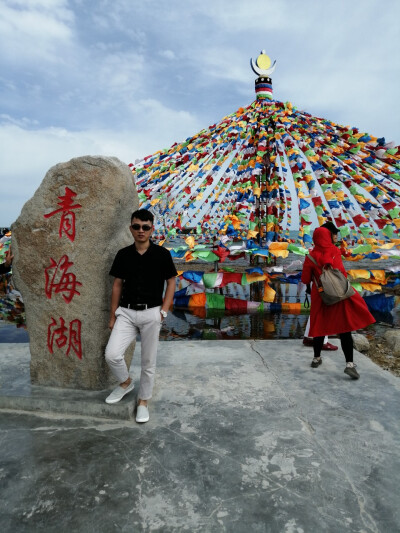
(324, 250)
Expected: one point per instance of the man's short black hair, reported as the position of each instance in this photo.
(144, 215)
(331, 227)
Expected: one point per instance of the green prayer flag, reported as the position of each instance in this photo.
(205, 255)
(394, 213)
(355, 150)
(366, 231)
(388, 230)
(362, 249)
(298, 250)
(210, 279)
(215, 301)
(227, 269)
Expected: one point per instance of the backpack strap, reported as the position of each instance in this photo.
(316, 281)
(312, 259)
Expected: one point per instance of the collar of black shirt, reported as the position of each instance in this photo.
(149, 249)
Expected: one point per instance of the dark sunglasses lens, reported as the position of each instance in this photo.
(137, 227)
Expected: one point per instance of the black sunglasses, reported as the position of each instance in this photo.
(137, 227)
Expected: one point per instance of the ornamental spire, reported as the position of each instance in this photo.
(263, 84)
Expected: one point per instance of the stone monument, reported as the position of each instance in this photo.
(64, 242)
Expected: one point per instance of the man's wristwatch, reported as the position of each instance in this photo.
(164, 313)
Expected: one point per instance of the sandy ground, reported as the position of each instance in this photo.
(382, 355)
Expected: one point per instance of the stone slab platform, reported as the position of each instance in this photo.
(17, 393)
(243, 436)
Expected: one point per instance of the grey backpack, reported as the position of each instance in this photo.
(332, 286)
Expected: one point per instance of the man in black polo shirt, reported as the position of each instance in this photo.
(140, 271)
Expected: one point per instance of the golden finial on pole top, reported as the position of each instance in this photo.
(262, 66)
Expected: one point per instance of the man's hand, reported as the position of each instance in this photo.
(112, 322)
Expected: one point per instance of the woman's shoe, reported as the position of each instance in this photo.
(316, 362)
(329, 346)
(351, 371)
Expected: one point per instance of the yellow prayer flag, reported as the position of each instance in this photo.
(360, 198)
(329, 195)
(379, 275)
(359, 274)
(269, 293)
(190, 241)
(340, 195)
(278, 246)
(279, 253)
(251, 278)
(371, 287)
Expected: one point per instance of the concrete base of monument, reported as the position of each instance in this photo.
(17, 392)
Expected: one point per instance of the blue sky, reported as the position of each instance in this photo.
(126, 78)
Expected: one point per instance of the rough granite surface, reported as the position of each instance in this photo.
(61, 267)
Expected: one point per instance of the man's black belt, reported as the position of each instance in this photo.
(138, 307)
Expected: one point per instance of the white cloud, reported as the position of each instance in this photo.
(27, 154)
(252, 16)
(167, 54)
(220, 62)
(34, 30)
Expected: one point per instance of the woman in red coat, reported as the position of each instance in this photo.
(341, 318)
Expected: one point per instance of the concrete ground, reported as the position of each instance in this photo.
(243, 437)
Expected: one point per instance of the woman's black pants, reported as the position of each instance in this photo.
(346, 340)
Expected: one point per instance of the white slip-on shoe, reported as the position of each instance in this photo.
(119, 392)
(142, 414)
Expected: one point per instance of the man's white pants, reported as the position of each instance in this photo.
(128, 324)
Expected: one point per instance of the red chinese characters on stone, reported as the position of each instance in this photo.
(58, 280)
(67, 222)
(62, 336)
